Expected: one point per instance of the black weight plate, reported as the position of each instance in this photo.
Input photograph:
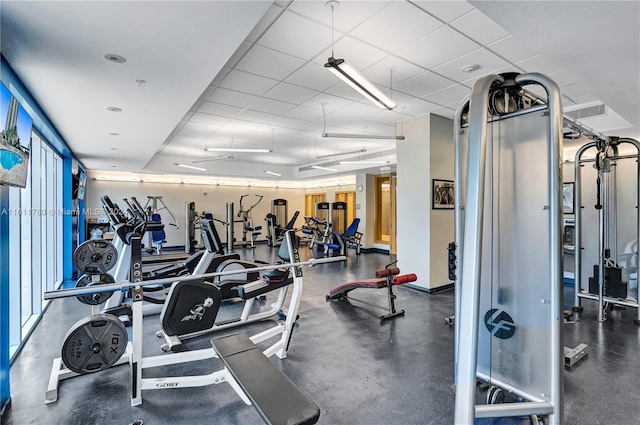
(96, 298)
(96, 256)
(94, 343)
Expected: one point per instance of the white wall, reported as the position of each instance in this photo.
(211, 199)
(423, 233)
(414, 200)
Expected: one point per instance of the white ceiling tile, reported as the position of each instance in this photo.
(511, 49)
(416, 107)
(329, 102)
(437, 48)
(357, 53)
(423, 84)
(385, 117)
(297, 36)
(479, 27)
(487, 61)
(563, 79)
(269, 63)
(304, 113)
(395, 26)
(358, 110)
(567, 101)
(347, 16)
(586, 99)
(291, 93)
(313, 76)
(248, 83)
(232, 98)
(209, 119)
(449, 95)
(380, 73)
(576, 90)
(242, 125)
(345, 91)
(538, 64)
(272, 106)
(257, 116)
(445, 10)
(219, 109)
(288, 122)
(265, 22)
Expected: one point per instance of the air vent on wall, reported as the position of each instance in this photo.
(590, 111)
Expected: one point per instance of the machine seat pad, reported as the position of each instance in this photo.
(278, 400)
(333, 246)
(260, 287)
(342, 290)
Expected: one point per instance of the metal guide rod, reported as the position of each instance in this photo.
(49, 295)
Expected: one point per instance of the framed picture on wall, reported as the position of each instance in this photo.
(567, 198)
(442, 194)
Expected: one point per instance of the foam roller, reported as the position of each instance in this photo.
(405, 278)
(391, 271)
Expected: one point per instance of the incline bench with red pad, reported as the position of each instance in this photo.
(387, 277)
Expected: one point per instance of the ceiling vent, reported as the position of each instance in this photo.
(588, 112)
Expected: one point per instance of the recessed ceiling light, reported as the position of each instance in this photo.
(114, 134)
(470, 68)
(141, 82)
(114, 109)
(112, 57)
(113, 149)
(113, 166)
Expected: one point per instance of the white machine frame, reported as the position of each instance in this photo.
(137, 362)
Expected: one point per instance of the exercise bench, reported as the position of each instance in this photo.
(277, 400)
(387, 277)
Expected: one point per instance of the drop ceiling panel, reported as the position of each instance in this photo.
(313, 76)
(272, 106)
(423, 84)
(437, 48)
(257, 116)
(381, 72)
(265, 22)
(477, 26)
(248, 83)
(449, 95)
(304, 113)
(329, 102)
(197, 130)
(346, 17)
(232, 98)
(482, 57)
(395, 26)
(346, 92)
(297, 36)
(538, 64)
(511, 49)
(288, 122)
(238, 54)
(269, 63)
(445, 10)
(417, 107)
(291, 93)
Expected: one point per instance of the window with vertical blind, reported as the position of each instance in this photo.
(35, 240)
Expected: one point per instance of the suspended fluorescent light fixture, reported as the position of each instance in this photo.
(213, 158)
(318, 167)
(250, 150)
(364, 162)
(359, 82)
(273, 173)
(192, 167)
(361, 136)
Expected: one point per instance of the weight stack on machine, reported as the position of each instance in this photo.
(508, 219)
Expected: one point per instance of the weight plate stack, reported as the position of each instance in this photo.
(94, 343)
(96, 256)
(97, 298)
